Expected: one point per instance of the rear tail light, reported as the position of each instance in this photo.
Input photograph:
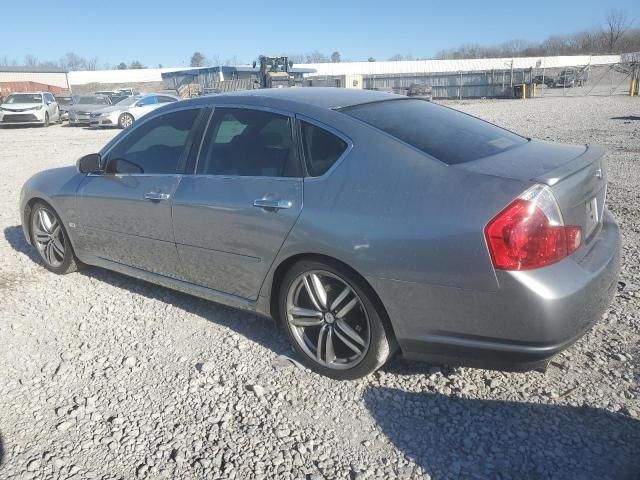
(530, 232)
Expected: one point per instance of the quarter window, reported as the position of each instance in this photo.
(321, 148)
(247, 142)
(156, 147)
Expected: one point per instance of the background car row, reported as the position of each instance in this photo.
(118, 108)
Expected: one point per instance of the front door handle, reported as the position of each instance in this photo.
(156, 196)
(272, 204)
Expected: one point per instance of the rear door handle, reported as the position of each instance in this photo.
(272, 204)
(156, 196)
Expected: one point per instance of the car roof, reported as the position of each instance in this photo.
(27, 93)
(322, 97)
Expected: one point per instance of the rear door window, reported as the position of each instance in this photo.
(445, 134)
(247, 142)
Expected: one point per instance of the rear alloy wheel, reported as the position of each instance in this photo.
(331, 320)
(51, 240)
(125, 120)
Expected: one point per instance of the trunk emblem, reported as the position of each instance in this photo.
(598, 173)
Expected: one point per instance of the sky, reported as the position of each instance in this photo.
(168, 32)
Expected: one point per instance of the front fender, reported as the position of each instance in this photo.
(57, 187)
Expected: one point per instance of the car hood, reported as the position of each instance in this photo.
(19, 106)
(86, 108)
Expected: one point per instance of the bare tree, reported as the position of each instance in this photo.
(616, 24)
(398, 57)
(72, 61)
(31, 60)
(198, 60)
(90, 63)
(316, 57)
(296, 58)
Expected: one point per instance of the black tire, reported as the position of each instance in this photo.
(381, 344)
(125, 120)
(69, 262)
(46, 120)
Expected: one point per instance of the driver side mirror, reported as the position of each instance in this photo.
(89, 163)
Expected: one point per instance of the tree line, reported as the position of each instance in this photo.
(71, 62)
(616, 35)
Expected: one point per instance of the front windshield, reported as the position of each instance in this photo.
(24, 98)
(93, 101)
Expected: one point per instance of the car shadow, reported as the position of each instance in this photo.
(628, 117)
(452, 437)
(1, 451)
(252, 326)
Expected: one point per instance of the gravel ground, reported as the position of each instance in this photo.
(108, 377)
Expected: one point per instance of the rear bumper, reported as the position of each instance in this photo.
(533, 315)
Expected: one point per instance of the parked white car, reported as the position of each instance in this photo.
(124, 113)
(29, 108)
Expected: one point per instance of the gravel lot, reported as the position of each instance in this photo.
(108, 377)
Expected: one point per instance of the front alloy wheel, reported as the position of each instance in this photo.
(125, 120)
(331, 320)
(51, 241)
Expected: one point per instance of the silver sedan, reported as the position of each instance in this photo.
(365, 223)
(127, 111)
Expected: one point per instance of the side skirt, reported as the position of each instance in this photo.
(175, 284)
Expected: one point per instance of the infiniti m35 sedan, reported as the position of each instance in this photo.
(364, 223)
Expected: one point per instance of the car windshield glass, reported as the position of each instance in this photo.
(25, 98)
(445, 134)
(64, 100)
(92, 101)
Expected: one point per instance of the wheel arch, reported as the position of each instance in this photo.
(28, 207)
(283, 267)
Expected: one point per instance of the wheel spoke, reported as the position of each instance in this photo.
(304, 317)
(48, 253)
(344, 294)
(45, 221)
(309, 288)
(40, 236)
(57, 248)
(345, 328)
(347, 308)
(321, 335)
(329, 353)
(348, 342)
(318, 290)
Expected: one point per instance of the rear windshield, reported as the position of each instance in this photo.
(446, 134)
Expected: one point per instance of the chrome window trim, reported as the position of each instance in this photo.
(333, 131)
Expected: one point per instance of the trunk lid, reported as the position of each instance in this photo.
(576, 174)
